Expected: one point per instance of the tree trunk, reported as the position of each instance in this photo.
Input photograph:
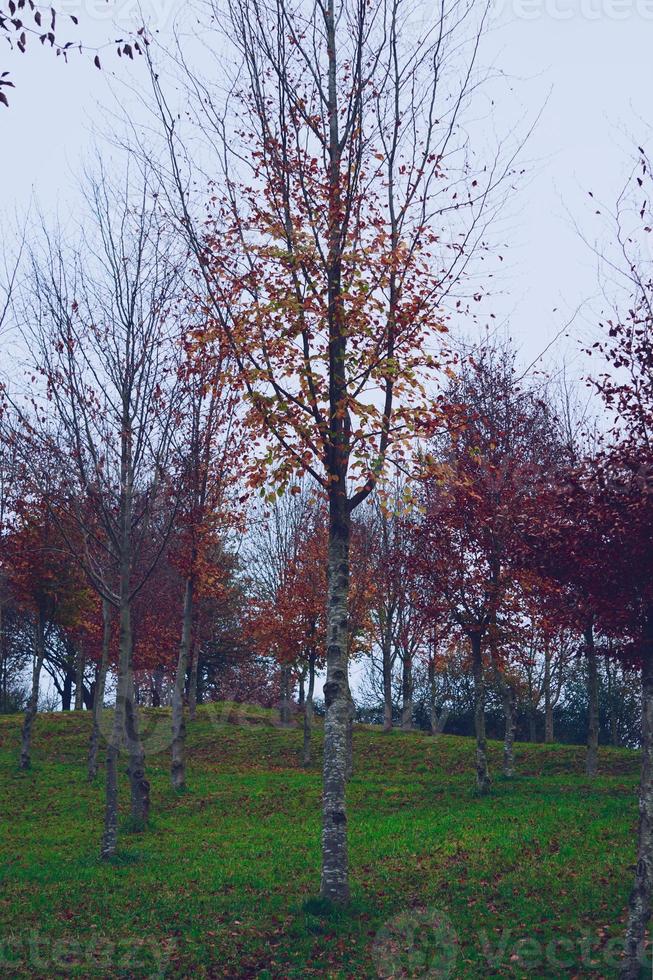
(335, 870)
(192, 683)
(508, 699)
(301, 680)
(116, 738)
(611, 673)
(308, 710)
(67, 692)
(32, 704)
(483, 783)
(592, 762)
(157, 687)
(433, 711)
(139, 786)
(178, 766)
(532, 722)
(639, 908)
(125, 728)
(407, 692)
(548, 700)
(79, 679)
(98, 697)
(387, 684)
(285, 714)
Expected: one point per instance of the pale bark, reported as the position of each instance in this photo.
(508, 698)
(483, 782)
(116, 738)
(98, 700)
(639, 909)
(592, 761)
(32, 704)
(178, 764)
(308, 710)
(138, 784)
(125, 723)
(335, 874)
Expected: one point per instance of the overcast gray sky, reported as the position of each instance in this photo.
(588, 60)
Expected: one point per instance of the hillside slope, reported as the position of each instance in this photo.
(530, 882)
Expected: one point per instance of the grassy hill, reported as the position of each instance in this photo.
(530, 882)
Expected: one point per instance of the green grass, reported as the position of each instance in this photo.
(529, 882)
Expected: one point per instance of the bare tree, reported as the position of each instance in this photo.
(102, 321)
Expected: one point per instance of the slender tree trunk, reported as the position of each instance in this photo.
(407, 692)
(98, 698)
(285, 714)
(109, 843)
(117, 737)
(125, 721)
(433, 712)
(139, 786)
(67, 692)
(335, 871)
(548, 700)
(508, 699)
(592, 762)
(192, 683)
(611, 674)
(79, 679)
(32, 704)
(639, 909)
(178, 766)
(436, 724)
(387, 683)
(301, 680)
(532, 722)
(308, 710)
(483, 782)
(157, 687)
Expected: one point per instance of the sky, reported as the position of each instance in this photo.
(581, 67)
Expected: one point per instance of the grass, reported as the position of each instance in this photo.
(531, 881)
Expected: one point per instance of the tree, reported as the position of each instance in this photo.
(105, 334)
(325, 264)
(45, 586)
(287, 616)
(600, 524)
(481, 484)
(211, 443)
